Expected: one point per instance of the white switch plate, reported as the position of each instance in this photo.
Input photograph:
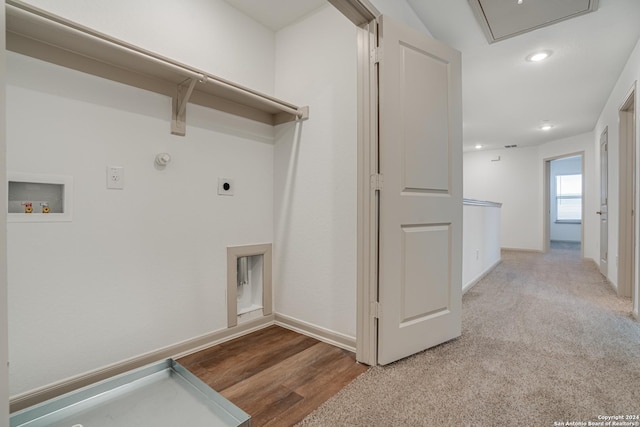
(225, 187)
(115, 177)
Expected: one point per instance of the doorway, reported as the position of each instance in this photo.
(627, 197)
(394, 317)
(564, 207)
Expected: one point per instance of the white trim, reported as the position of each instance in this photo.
(175, 351)
(360, 12)
(481, 276)
(233, 253)
(325, 335)
(546, 206)
(474, 202)
(537, 251)
(4, 329)
(626, 195)
(367, 283)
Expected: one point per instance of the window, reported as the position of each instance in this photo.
(569, 198)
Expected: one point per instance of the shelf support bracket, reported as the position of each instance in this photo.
(179, 106)
(303, 114)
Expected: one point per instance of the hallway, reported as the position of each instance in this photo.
(545, 339)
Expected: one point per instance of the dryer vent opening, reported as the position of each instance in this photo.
(248, 283)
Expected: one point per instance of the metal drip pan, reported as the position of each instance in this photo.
(160, 395)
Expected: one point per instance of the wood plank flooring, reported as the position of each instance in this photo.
(275, 375)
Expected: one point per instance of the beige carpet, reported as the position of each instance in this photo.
(544, 340)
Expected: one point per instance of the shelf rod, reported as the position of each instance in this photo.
(37, 17)
(265, 100)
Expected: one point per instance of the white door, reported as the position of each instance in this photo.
(604, 200)
(420, 154)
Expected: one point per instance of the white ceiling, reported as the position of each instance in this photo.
(508, 18)
(505, 98)
(276, 14)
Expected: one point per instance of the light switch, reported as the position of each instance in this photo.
(115, 177)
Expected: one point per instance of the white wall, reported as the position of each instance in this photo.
(142, 268)
(516, 181)
(480, 242)
(205, 34)
(559, 231)
(609, 117)
(138, 269)
(401, 11)
(4, 344)
(315, 174)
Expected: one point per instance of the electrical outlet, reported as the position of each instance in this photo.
(225, 187)
(115, 177)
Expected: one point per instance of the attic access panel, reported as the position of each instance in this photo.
(501, 19)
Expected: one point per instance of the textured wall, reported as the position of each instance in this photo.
(315, 174)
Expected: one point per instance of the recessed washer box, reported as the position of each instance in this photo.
(39, 197)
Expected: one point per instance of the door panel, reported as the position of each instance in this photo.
(420, 255)
(420, 299)
(424, 110)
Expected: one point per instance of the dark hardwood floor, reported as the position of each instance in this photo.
(275, 375)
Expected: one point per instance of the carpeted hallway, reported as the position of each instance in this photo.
(544, 340)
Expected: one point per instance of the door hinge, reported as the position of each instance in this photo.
(376, 55)
(376, 182)
(375, 309)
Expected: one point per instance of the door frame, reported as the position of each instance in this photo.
(546, 207)
(604, 268)
(4, 302)
(627, 164)
(364, 16)
(368, 198)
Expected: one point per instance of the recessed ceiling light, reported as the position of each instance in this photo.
(546, 126)
(538, 56)
(520, 1)
(478, 146)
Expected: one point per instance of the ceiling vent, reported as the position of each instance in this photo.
(511, 146)
(501, 19)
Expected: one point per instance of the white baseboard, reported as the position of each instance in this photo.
(481, 276)
(334, 338)
(175, 351)
(538, 251)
